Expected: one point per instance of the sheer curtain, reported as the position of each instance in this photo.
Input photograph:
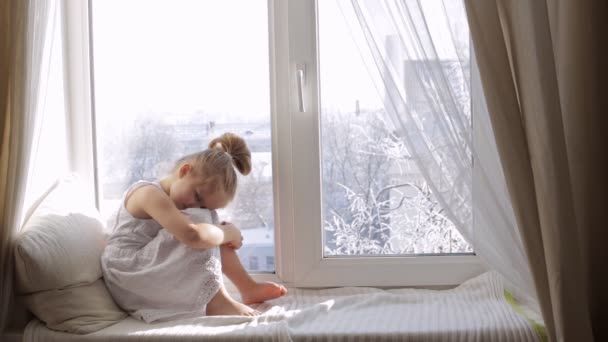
(433, 97)
(24, 52)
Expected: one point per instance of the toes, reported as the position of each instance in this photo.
(282, 290)
(253, 313)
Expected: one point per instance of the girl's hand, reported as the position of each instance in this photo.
(232, 235)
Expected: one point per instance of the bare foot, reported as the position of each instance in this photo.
(223, 305)
(261, 292)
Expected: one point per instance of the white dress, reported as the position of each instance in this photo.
(152, 275)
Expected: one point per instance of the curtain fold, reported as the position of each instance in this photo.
(23, 26)
(12, 49)
(433, 98)
(435, 122)
(542, 65)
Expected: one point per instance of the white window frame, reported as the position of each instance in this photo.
(296, 151)
(78, 83)
(299, 257)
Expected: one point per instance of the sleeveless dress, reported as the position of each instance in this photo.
(152, 275)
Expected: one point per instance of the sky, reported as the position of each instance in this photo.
(191, 56)
(180, 56)
(184, 56)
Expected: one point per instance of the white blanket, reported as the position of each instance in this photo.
(474, 311)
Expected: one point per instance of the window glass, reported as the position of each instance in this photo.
(253, 263)
(375, 200)
(169, 76)
(270, 262)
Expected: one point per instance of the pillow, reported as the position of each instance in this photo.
(80, 309)
(57, 251)
(57, 263)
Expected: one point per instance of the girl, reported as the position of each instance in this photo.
(158, 264)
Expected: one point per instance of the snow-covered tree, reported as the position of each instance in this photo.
(375, 200)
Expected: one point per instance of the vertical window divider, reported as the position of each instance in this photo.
(281, 140)
(78, 93)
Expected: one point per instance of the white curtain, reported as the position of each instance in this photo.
(433, 97)
(48, 150)
(29, 53)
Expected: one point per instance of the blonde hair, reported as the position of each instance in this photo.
(217, 163)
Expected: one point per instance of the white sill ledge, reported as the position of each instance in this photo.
(477, 308)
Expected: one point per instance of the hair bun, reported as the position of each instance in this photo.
(218, 146)
(236, 147)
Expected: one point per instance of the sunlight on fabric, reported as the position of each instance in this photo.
(49, 150)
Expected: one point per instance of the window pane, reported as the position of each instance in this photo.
(270, 261)
(253, 263)
(169, 77)
(375, 200)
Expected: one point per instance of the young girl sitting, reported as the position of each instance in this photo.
(164, 262)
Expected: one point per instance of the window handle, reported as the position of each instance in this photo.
(301, 81)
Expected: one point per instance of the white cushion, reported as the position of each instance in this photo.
(81, 309)
(56, 251)
(57, 262)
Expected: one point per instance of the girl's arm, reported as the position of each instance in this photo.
(151, 202)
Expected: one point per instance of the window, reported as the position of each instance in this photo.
(308, 37)
(270, 262)
(253, 263)
(170, 76)
(184, 74)
(375, 200)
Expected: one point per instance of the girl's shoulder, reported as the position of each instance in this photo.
(139, 184)
(135, 187)
(123, 217)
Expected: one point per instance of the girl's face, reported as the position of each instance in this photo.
(189, 191)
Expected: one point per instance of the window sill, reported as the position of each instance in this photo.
(477, 307)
